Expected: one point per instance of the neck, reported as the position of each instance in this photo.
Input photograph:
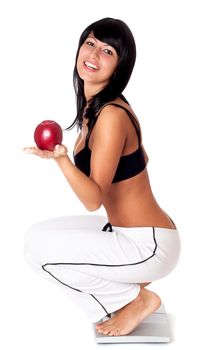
(91, 90)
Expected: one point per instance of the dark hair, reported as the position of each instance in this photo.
(117, 34)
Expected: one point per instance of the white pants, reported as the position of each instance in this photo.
(101, 269)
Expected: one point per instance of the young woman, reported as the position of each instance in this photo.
(105, 263)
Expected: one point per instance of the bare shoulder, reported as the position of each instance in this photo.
(110, 128)
(112, 117)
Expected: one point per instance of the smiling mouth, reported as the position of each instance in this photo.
(90, 65)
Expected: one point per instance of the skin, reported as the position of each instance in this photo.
(127, 203)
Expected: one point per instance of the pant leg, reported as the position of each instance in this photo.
(74, 252)
(100, 269)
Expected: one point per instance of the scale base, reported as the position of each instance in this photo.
(154, 329)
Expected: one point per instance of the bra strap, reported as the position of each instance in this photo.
(131, 116)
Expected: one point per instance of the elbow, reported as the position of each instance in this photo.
(94, 206)
(95, 201)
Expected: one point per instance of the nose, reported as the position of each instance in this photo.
(95, 52)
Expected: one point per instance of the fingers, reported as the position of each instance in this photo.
(30, 150)
(38, 152)
(60, 150)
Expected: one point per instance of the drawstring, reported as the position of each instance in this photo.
(107, 227)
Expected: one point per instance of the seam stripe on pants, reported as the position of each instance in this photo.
(94, 264)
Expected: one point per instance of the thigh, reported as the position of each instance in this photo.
(71, 222)
(59, 244)
(58, 238)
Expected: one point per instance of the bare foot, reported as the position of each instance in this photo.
(131, 315)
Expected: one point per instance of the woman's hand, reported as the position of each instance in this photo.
(59, 151)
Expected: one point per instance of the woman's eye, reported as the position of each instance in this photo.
(90, 43)
(108, 52)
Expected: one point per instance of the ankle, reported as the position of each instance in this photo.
(139, 301)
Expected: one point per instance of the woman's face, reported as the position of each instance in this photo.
(96, 62)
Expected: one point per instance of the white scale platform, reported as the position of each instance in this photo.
(154, 329)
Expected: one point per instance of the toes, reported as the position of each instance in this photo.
(114, 332)
(105, 330)
(103, 324)
(117, 331)
(110, 330)
(99, 326)
(111, 333)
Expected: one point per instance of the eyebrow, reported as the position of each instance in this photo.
(93, 37)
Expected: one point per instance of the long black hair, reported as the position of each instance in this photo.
(116, 33)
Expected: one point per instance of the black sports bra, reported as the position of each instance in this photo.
(129, 165)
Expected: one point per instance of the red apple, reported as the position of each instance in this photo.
(47, 135)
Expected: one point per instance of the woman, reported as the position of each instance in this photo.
(106, 266)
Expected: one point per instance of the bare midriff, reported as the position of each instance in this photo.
(131, 203)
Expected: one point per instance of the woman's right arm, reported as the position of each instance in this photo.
(109, 138)
(88, 192)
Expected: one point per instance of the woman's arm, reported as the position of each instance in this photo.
(109, 136)
(85, 188)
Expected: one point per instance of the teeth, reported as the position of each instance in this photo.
(88, 64)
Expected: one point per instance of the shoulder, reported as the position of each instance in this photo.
(112, 117)
(110, 128)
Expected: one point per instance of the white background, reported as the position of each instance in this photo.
(38, 42)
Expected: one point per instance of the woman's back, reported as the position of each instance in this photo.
(128, 202)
